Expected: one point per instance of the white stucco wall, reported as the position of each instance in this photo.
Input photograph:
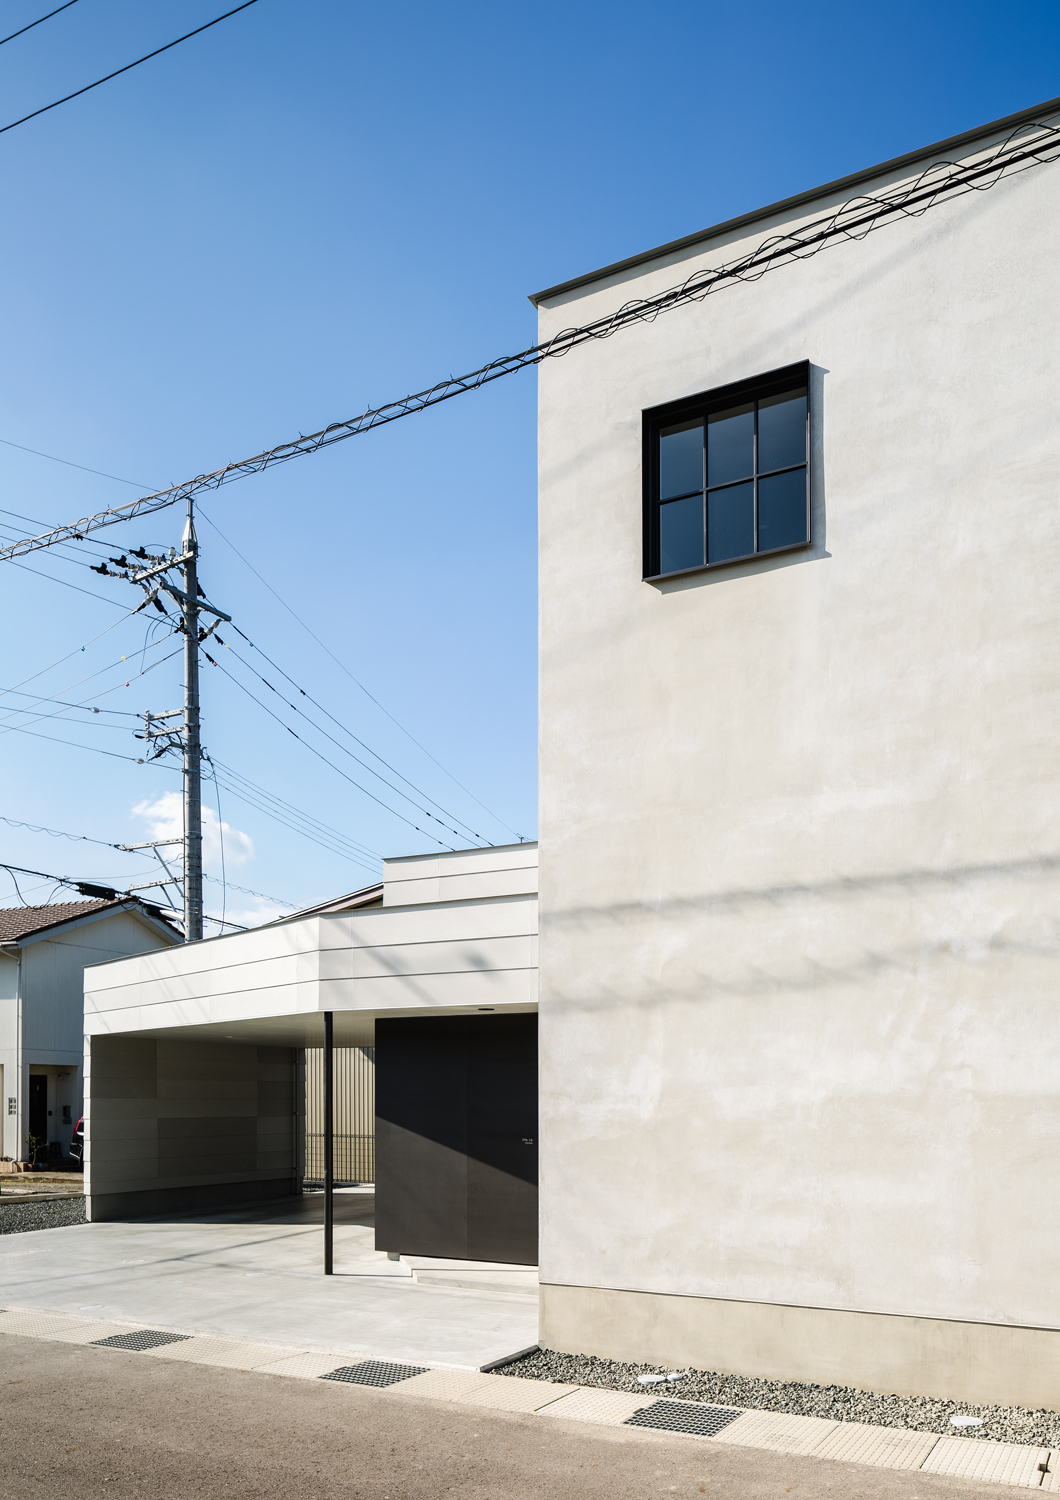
(800, 818)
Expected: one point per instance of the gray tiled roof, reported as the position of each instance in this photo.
(20, 921)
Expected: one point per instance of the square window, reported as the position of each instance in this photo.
(726, 474)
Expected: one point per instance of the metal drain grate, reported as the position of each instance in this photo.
(143, 1338)
(375, 1372)
(684, 1416)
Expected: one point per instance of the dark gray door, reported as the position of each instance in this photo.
(456, 1137)
(38, 1109)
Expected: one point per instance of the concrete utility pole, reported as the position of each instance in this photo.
(192, 745)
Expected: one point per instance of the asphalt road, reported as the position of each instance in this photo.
(78, 1422)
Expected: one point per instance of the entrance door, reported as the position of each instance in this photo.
(456, 1137)
(38, 1108)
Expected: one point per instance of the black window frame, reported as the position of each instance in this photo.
(704, 405)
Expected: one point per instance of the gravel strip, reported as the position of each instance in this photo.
(52, 1213)
(1010, 1424)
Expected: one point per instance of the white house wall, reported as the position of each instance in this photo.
(800, 829)
(8, 1052)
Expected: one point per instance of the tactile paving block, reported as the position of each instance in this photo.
(141, 1339)
(883, 1447)
(512, 1393)
(1002, 1463)
(778, 1431)
(443, 1385)
(36, 1324)
(696, 1418)
(375, 1372)
(608, 1408)
(229, 1354)
(300, 1366)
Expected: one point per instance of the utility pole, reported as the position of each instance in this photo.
(186, 736)
(192, 744)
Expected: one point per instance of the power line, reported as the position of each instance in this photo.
(320, 756)
(126, 713)
(83, 838)
(134, 677)
(852, 220)
(246, 891)
(338, 722)
(352, 678)
(76, 651)
(65, 583)
(37, 22)
(35, 734)
(337, 743)
(294, 818)
(118, 71)
(245, 561)
(70, 465)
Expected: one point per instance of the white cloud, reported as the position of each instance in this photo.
(164, 816)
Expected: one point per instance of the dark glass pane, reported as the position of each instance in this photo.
(681, 534)
(680, 459)
(730, 444)
(781, 431)
(730, 522)
(782, 510)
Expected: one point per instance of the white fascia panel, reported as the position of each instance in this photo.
(385, 928)
(432, 991)
(481, 955)
(206, 1011)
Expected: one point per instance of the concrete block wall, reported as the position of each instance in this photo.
(175, 1126)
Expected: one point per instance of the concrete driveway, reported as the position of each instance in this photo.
(256, 1274)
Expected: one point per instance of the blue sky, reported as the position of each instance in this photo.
(315, 208)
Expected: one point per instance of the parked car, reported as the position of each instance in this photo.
(77, 1144)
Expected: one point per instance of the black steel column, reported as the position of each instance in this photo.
(329, 1160)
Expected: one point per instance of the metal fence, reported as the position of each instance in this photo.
(354, 1125)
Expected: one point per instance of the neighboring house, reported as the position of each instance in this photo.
(43, 953)
(800, 841)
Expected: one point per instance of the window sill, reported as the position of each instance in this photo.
(729, 562)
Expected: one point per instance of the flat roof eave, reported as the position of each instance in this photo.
(1021, 117)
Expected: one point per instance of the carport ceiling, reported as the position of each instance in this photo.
(353, 1028)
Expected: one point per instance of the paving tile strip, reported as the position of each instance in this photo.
(813, 1437)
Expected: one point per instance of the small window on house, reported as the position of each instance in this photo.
(726, 474)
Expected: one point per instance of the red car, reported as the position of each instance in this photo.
(77, 1145)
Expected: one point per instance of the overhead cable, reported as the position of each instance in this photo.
(1031, 145)
(118, 71)
(294, 818)
(133, 677)
(320, 756)
(22, 31)
(337, 743)
(340, 725)
(75, 652)
(355, 680)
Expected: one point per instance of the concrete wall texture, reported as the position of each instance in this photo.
(188, 1125)
(800, 829)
